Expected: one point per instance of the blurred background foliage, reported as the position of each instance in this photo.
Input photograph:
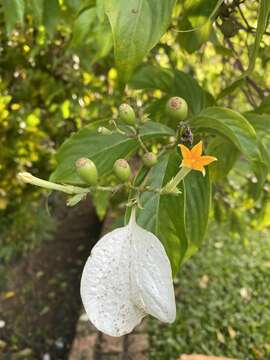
(57, 74)
(45, 95)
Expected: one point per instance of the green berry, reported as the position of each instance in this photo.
(87, 171)
(177, 108)
(122, 170)
(127, 114)
(228, 28)
(149, 159)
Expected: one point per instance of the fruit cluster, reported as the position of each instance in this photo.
(176, 110)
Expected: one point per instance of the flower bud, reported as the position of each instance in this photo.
(177, 108)
(104, 131)
(87, 171)
(149, 159)
(127, 114)
(122, 170)
(144, 119)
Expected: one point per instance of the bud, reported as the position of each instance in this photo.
(122, 170)
(186, 135)
(87, 171)
(144, 118)
(127, 114)
(149, 159)
(177, 108)
(104, 131)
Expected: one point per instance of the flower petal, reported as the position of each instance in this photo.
(199, 167)
(205, 160)
(186, 153)
(187, 163)
(151, 274)
(197, 150)
(105, 285)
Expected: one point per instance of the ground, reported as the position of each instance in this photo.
(222, 301)
(41, 303)
(222, 297)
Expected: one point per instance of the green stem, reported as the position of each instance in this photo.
(171, 186)
(137, 135)
(68, 189)
(141, 143)
(117, 129)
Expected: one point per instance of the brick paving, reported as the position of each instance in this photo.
(90, 344)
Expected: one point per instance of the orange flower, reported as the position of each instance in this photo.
(193, 159)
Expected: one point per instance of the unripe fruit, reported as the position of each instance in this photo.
(122, 170)
(149, 159)
(228, 28)
(87, 171)
(127, 114)
(177, 108)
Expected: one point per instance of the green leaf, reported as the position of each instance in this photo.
(51, 15)
(102, 41)
(261, 27)
(14, 13)
(173, 83)
(86, 4)
(101, 10)
(226, 153)
(231, 88)
(36, 7)
(206, 8)
(196, 22)
(193, 40)
(239, 131)
(82, 26)
(261, 123)
(74, 5)
(264, 107)
(198, 202)
(137, 26)
(92, 37)
(186, 214)
(104, 150)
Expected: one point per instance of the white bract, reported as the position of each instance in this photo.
(127, 276)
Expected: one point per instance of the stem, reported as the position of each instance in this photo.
(141, 143)
(117, 128)
(171, 186)
(68, 189)
(110, 188)
(132, 218)
(73, 190)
